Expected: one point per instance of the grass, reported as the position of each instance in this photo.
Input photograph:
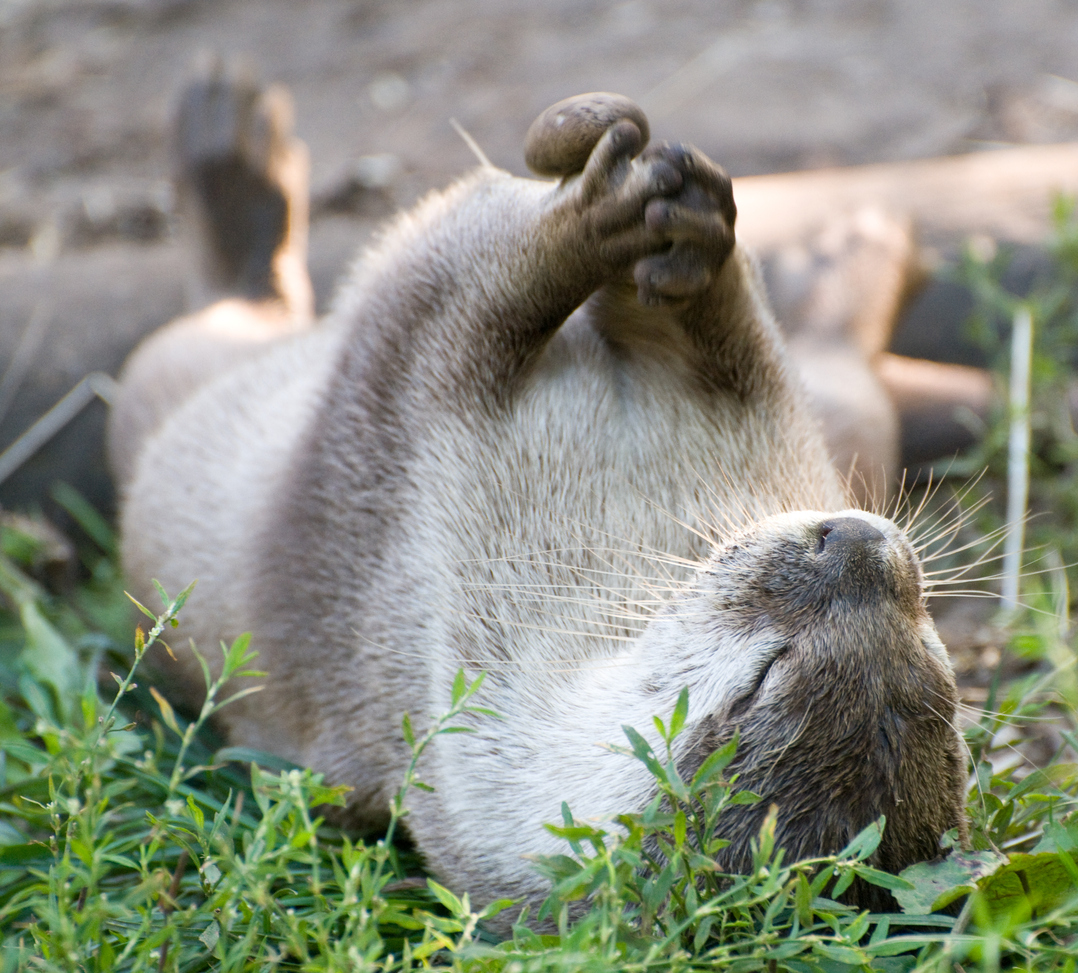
(131, 840)
(127, 843)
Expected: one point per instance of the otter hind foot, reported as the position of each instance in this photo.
(232, 143)
(697, 226)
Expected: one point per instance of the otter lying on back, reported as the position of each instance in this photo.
(548, 431)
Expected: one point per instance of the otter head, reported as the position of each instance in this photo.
(844, 701)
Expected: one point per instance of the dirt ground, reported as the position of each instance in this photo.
(88, 234)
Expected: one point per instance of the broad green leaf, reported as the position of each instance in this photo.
(681, 827)
(841, 954)
(209, 936)
(49, 658)
(803, 901)
(497, 906)
(236, 655)
(715, 763)
(643, 752)
(460, 686)
(937, 884)
(1059, 835)
(1042, 880)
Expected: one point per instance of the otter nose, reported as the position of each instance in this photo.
(848, 535)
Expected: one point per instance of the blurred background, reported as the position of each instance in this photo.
(90, 256)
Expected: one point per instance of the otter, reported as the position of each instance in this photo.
(549, 431)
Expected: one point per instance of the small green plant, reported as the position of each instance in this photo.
(129, 844)
(129, 841)
(1052, 303)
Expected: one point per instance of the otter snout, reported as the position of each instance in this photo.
(848, 536)
(846, 713)
(863, 558)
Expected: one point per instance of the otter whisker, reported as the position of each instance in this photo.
(530, 627)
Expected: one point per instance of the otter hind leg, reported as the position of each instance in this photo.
(242, 179)
(242, 182)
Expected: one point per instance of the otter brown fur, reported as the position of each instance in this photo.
(549, 431)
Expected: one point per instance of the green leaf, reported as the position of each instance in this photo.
(406, 729)
(1042, 880)
(167, 713)
(681, 711)
(162, 594)
(715, 763)
(576, 832)
(181, 598)
(460, 687)
(35, 851)
(845, 880)
(196, 812)
(643, 752)
(1059, 836)
(447, 898)
(49, 658)
(236, 655)
(335, 796)
(497, 906)
(937, 884)
(866, 841)
(247, 755)
(884, 880)
(803, 901)
(250, 690)
(210, 935)
(140, 606)
(85, 515)
(841, 954)
(681, 827)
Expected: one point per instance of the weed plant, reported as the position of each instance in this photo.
(128, 843)
(129, 840)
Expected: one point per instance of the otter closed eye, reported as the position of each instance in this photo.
(550, 436)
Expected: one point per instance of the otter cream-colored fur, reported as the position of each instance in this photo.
(549, 431)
